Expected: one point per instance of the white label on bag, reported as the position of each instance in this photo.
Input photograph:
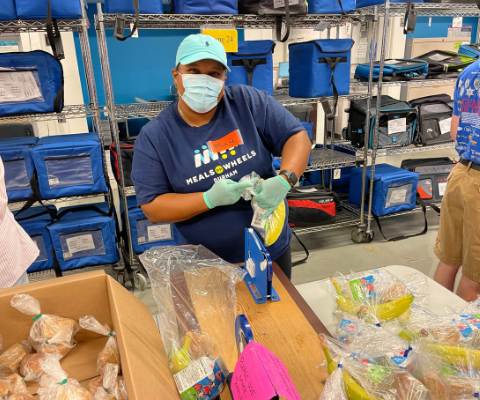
(337, 173)
(53, 181)
(457, 22)
(80, 243)
(445, 125)
(306, 190)
(281, 3)
(438, 57)
(397, 125)
(392, 62)
(18, 87)
(157, 233)
(398, 196)
(442, 187)
(67, 255)
(141, 239)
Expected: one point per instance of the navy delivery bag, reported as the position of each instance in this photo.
(202, 7)
(127, 7)
(252, 65)
(37, 9)
(34, 221)
(84, 236)
(146, 235)
(330, 6)
(394, 70)
(19, 167)
(38, 78)
(320, 68)
(69, 165)
(7, 11)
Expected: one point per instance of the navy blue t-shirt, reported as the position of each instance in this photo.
(173, 157)
(467, 106)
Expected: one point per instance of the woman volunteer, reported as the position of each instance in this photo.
(188, 160)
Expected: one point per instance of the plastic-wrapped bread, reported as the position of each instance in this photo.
(11, 385)
(110, 353)
(45, 328)
(122, 388)
(13, 356)
(30, 368)
(110, 390)
(94, 384)
(4, 388)
(55, 384)
(21, 396)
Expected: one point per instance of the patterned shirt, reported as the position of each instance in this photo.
(17, 250)
(467, 106)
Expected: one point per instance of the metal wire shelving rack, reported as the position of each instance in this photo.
(91, 110)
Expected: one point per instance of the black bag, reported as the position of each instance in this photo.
(441, 62)
(312, 206)
(434, 119)
(391, 109)
(126, 147)
(433, 176)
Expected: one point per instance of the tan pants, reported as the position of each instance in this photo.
(458, 240)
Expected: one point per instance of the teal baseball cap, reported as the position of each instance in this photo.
(201, 47)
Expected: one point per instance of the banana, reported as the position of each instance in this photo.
(353, 389)
(456, 355)
(385, 312)
(275, 227)
(408, 335)
(181, 359)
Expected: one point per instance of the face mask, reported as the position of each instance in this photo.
(201, 91)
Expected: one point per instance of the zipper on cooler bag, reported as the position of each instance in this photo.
(61, 158)
(81, 231)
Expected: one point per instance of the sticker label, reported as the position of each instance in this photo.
(157, 233)
(362, 288)
(141, 239)
(337, 173)
(442, 187)
(80, 243)
(53, 181)
(227, 37)
(438, 57)
(251, 267)
(67, 255)
(445, 125)
(397, 125)
(377, 373)
(18, 87)
(225, 143)
(322, 26)
(398, 196)
(346, 330)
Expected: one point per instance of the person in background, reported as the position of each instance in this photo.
(188, 160)
(458, 240)
(17, 250)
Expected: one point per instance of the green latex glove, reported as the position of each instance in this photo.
(270, 193)
(224, 193)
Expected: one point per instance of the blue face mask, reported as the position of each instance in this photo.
(201, 91)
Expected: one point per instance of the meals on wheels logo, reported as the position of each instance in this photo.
(220, 148)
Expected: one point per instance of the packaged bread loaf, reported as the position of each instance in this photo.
(110, 353)
(13, 384)
(109, 389)
(55, 384)
(46, 328)
(13, 356)
(31, 369)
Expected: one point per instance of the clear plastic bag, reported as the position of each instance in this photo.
(30, 367)
(11, 386)
(195, 293)
(334, 388)
(49, 333)
(13, 356)
(55, 384)
(110, 389)
(110, 353)
(377, 295)
(269, 229)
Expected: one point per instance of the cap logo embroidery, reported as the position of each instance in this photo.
(207, 44)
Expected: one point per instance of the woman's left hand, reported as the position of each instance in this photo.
(270, 193)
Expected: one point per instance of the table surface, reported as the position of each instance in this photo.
(323, 304)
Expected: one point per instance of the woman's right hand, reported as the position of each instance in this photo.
(224, 192)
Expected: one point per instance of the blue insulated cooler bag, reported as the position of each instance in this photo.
(395, 189)
(127, 7)
(205, 7)
(252, 65)
(320, 68)
(394, 70)
(84, 236)
(368, 3)
(69, 165)
(472, 50)
(37, 9)
(34, 221)
(330, 6)
(7, 10)
(146, 235)
(18, 163)
(37, 78)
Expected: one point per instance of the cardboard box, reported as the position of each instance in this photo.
(143, 358)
